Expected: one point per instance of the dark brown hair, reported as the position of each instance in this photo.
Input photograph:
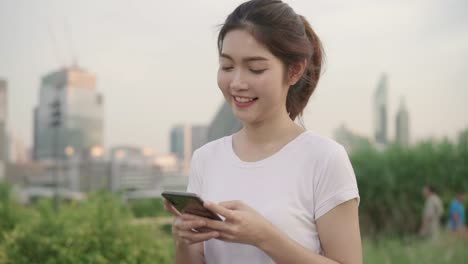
(288, 36)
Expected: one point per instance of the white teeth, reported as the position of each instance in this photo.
(243, 100)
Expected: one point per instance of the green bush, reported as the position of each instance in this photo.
(96, 231)
(11, 212)
(148, 208)
(390, 183)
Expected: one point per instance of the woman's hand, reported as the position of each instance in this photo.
(242, 223)
(184, 228)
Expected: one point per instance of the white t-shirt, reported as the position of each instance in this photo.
(292, 188)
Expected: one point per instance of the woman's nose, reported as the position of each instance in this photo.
(238, 82)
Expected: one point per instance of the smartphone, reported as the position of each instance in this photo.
(189, 203)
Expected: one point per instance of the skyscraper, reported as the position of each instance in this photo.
(177, 141)
(224, 123)
(3, 120)
(381, 112)
(185, 139)
(402, 125)
(199, 133)
(81, 114)
(18, 152)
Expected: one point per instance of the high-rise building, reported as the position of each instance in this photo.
(224, 124)
(199, 133)
(402, 125)
(80, 121)
(3, 120)
(18, 152)
(185, 139)
(381, 112)
(177, 141)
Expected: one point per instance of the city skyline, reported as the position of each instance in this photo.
(139, 57)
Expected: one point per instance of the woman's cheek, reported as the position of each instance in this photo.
(223, 82)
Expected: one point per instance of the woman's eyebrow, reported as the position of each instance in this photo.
(246, 59)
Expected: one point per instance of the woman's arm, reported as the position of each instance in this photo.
(191, 254)
(339, 236)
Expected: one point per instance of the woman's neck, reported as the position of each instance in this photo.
(272, 130)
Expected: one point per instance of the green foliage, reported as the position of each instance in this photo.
(148, 208)
(11, 213)
(96, 231)
(407, 251)
(390, 183)
(167, 229)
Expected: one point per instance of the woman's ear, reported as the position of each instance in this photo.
(296, 71)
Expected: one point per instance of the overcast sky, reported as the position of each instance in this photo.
(156, 62)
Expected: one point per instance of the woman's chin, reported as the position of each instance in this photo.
(245, 118)
(242, 116)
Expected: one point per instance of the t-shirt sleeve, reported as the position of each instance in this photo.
(336, 184)
(195, 180)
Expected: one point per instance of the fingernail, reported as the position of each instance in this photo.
(202, 222)
(215, 234)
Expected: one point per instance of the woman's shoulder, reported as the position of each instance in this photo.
(319, 143)
(214, 147)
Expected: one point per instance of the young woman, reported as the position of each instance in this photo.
(287, 195)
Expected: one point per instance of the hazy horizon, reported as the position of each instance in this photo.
(156, 62)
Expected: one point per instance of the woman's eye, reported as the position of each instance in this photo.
(227, 68)
(257, 71)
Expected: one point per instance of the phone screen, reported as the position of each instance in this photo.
(189, 203)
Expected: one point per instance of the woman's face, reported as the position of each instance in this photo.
(251, 78)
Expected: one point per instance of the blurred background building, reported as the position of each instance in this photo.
(380, 112)
(402, 135)
(133, 168)
(78, 110)
(3, 120)
(184, 140)
(223, 124)
(3, 129)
